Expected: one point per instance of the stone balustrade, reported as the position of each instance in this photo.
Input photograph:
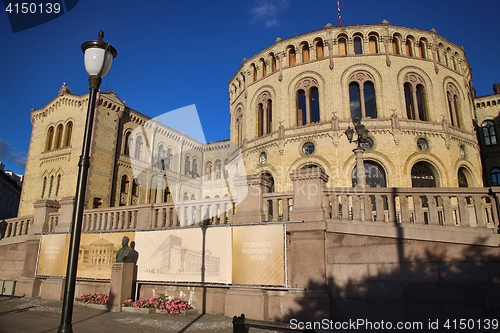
(114, 218)
(278, 206)
(16, 226)
(459, 207)
(53, 221)
(463, 207)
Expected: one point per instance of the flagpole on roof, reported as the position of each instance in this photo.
(340, 18)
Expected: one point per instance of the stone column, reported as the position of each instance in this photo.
(65, 214)
(145, 214)
(41, 219)
(250, 191)
(308, 203)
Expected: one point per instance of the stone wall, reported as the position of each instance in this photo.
(400, 279)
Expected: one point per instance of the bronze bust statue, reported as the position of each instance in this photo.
(126, 253)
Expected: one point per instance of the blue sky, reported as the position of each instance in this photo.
(176, 53)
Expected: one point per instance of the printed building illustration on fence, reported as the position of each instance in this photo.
(173, 258)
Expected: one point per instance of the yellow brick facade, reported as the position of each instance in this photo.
(451, 139)
(394, 135)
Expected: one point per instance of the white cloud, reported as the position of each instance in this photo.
(7, 152)
(267, 11)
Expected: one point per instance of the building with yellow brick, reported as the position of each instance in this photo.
(290, 106)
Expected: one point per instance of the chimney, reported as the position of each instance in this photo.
(496, 88)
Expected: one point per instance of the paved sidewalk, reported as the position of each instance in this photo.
(35, 315)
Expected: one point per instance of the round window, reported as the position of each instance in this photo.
(422, 144)
(262, 158)
(308, 148)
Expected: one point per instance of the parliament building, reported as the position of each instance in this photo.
(431, 161)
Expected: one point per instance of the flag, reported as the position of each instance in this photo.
(340, 17)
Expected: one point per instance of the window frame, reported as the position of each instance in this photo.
(490, 135)
(361, 78)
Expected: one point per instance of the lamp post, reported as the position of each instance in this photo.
(358, 151)
(98, 58)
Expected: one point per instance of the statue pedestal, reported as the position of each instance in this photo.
(120, 289)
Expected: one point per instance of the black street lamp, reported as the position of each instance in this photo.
(98, 58)
(358, 151)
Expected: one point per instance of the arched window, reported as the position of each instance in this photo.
(193, 197)
(374, 175)
(264, 69)
(301, 108)
(422, 113)
(305, 53)
(415, 97)
(314, 97)
(138, 147)
(453, 105)
(44, 186)
(270, 177)
(369, 94)
(291, 57)
(161, 153)
(421, 50)
(208, 170)
(395, 45)
(362, 95)
(489, 134)
(218, 167)
(495, 177)
(254, 69)
(273, 63)
(307, 102)
(373, 44)
(410, 102)
(462, 179)
(239, 127)
(126, 144)
(342, 46)
(269, 116)
(226, 172)
(187, 166)
(194, 173)
(124, 185)
(358, 45)
(67, 136)
(50, 185)
(422, 175)
(135, 187)
(186, 196)
(355, 100)
(319, 50)
(168, 162)
(261, 119)
(409, 51)
(59, 136)
(50, 138)
(58, 184)
(264, 114)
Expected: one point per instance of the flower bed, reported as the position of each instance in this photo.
(94, 298)
(161, 302)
